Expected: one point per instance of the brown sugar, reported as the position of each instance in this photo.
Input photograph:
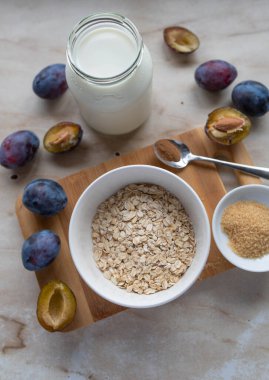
(247, 225)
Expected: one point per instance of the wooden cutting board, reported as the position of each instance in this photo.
(204, 179)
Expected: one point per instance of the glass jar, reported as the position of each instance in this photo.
(109, 72)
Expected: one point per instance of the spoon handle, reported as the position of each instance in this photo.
(254, 170)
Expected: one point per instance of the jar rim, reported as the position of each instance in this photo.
(96, 18)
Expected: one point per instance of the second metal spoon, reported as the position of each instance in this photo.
(177, 155)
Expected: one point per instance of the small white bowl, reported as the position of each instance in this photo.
(80, 232)
(258, 193)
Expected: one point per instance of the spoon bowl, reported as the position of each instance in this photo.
(172, 153)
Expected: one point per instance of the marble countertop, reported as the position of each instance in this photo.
(219, 328)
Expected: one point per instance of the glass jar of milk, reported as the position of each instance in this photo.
(109, 72)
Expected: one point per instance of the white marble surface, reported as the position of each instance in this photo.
(219, 329)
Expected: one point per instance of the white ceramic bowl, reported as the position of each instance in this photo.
(80, 232)
(258, 193)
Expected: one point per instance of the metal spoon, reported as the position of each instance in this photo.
(179, 156)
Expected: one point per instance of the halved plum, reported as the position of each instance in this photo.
(227, 126)
(62, 137)
(180, 39)
(56, 306)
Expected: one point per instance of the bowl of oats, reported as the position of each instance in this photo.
(139, 236)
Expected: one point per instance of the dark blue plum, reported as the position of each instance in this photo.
(50, 83)
(18, 148)
(40, 249)
(251, 98)
(215, 75)
(44, 197)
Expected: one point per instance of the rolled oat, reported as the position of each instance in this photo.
(143, 239)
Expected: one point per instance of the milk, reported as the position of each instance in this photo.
(109, 72)
(105, 52)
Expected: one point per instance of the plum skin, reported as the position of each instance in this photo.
(44, 197)
(50, 82)
(251, 97)
(215, 75)
(18, 148)
(40, 249)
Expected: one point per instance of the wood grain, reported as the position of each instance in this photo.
(203, 177)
